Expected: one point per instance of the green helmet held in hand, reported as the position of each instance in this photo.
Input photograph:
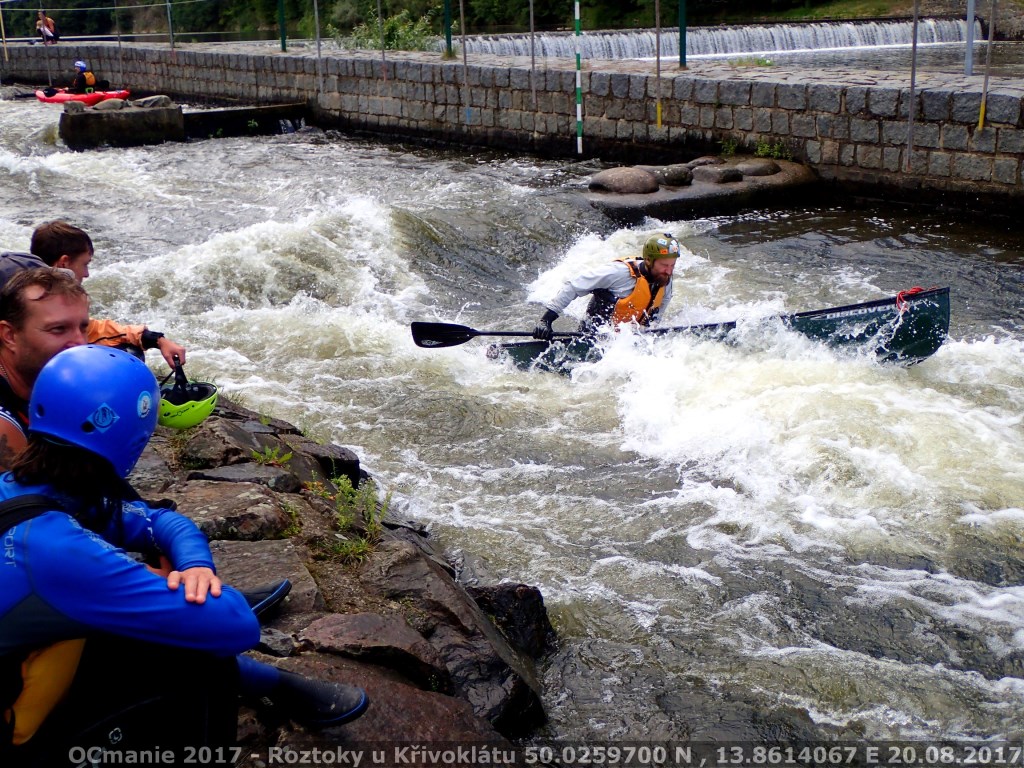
(185, 404)
(663, 246)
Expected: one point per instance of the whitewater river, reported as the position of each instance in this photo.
(759, 540)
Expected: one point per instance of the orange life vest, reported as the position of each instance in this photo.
(641, 305)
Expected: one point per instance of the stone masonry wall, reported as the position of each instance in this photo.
(849, 126)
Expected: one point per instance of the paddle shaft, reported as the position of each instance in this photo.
(450, 335)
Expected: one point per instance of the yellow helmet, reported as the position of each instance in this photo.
(185, 404)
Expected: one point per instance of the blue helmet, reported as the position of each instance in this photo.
(81, 66)
(101, 399)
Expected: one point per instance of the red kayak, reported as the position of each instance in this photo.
(61, 95)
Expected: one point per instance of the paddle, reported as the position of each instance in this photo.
(451, 335)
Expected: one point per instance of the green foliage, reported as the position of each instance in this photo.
(360, 504)
(778, 150)
(752, 61)
(401, 33)
(340, 17)
(355, 509)
(295, 524)
(729, 147)
(839, 9)
(272, 456)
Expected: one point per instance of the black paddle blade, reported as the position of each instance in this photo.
(441, 334)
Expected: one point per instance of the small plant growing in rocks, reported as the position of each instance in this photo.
(272, 456)
(778, 150)
(356, 509)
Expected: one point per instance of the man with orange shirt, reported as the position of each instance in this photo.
(64, 246)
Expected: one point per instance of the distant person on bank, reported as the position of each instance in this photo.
(46, 28)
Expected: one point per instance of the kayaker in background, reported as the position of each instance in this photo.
(624, 291)
(46, 28)
(42, 312)
(63, 245)
(93, 642)
(84, 81)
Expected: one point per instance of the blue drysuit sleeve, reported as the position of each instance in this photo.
(89, 581)
(173, 534)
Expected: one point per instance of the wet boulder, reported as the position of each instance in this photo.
(110, 105)
(705, 160)
(234, 510)
(628, 181)
(675, 175)
(758, 167)
(499, 682)
(717, 174)
(385, 640)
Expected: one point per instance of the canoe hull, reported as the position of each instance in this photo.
(904, 329)
(89, 99)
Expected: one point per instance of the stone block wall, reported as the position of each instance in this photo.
(846, 132)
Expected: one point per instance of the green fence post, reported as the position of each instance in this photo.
(448, 29)
(280, 25)
(579, 83)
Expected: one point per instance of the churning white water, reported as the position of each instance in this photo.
(733, 540)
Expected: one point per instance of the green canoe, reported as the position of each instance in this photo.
(905, 329)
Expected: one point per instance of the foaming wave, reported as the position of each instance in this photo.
(323, 257)
(813, 444)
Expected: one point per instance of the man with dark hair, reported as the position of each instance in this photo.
(42, 311)
(62, 245)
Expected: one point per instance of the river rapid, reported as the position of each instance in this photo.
(760, 540)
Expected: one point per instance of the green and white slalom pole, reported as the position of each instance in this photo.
(579, 85)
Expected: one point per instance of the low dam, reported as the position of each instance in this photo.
(850, 125)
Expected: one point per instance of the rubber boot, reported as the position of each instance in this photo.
(317, 703)
(266, 600)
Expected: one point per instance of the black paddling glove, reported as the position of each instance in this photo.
(543, 330)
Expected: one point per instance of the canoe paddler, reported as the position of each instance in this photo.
(624, 291)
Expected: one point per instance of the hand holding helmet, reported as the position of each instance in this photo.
(185, 404)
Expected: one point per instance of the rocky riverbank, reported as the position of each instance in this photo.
(373, 602)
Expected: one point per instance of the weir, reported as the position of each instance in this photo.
(712, 41)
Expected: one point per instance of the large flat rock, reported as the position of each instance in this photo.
(703, 196)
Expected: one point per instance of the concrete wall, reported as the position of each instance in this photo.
(846, 125)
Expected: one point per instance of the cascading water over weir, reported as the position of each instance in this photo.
(712, 41)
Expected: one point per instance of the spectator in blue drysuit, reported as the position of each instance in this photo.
(97, 648)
